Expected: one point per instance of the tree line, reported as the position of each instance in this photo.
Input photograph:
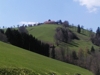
(22, 39)
(88, 59)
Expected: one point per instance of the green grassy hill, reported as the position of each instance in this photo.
(14, 57)
(43, 32)
(46, 33)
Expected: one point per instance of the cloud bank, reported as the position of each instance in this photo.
(91, 5)
(26, 23)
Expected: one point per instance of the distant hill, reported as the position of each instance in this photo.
(46, 33)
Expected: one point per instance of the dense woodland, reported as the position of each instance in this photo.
(88, 59)
(22, 39)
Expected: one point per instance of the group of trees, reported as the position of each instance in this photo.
(95, 38)
(63, 34)
(22, 39)
(88, 59)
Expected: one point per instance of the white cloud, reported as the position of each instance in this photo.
(26, 23)
(91, 5)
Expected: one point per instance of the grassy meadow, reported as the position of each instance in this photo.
(14, 57)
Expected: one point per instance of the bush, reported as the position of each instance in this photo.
(16, 71)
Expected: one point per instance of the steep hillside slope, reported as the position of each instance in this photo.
(11, 56)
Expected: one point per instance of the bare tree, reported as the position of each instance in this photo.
(95, 66)
(66, 24)
(80, 57)
(22, 29)
(3, 37)
(62, 53)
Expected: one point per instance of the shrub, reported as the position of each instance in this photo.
(16, 71)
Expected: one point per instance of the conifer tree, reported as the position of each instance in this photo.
(79, 29)
(92, 49)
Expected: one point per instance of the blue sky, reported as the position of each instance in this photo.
(83, 12)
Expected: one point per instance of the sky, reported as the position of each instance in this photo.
(83, 12)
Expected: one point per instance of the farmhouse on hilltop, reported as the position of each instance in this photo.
(50, 22)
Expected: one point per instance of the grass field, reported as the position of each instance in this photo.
(14, 57)
(46, 33)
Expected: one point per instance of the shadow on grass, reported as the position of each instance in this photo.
(73, 44)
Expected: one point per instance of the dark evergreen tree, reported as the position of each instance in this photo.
(53, 52)
(10, 36)
(92, 49)
(98, 31)
(59, 22)
(74, 55)
(31, 44)
(2, 31)
(46, 50)
(79, 29)
(96, 38)
(49, 20)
